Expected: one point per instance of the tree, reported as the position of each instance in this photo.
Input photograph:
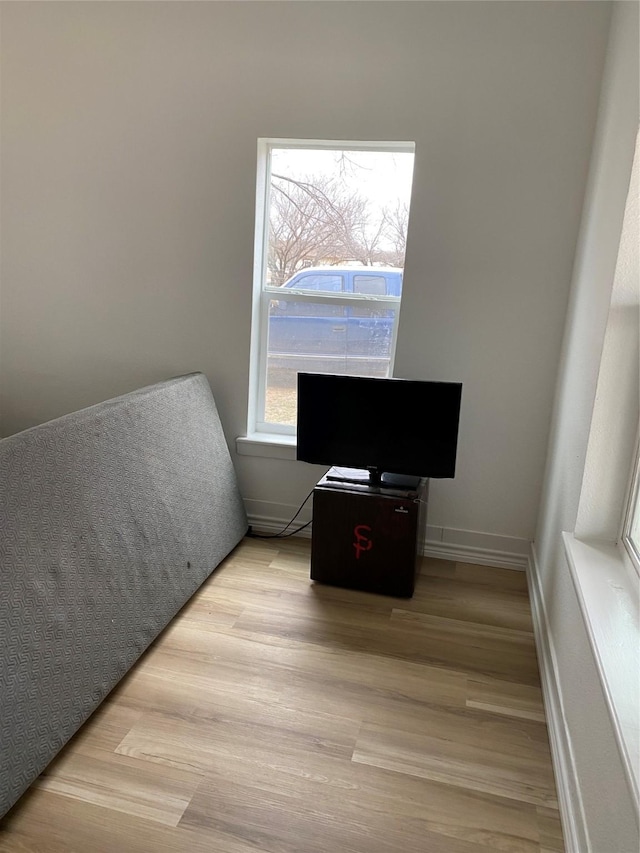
(300, 232)
(396, 222)
(319, 220)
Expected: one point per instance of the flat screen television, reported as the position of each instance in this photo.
(385, 427)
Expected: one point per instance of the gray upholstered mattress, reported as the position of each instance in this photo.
(111, 518)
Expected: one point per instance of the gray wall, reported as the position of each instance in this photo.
(128, 188)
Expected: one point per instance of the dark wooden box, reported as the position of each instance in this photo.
(368, 538)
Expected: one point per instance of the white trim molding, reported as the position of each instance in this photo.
(269, 446)
(569, 797)
(445, 543)
(473, 546)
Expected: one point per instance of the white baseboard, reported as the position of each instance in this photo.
(461, 546)
(272, 526)
(472, 546)
(569, 798)
(270, 518)
(480, 556)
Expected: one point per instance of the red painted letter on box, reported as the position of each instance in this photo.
(362, 541)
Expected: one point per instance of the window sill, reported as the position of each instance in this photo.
(269, 446)
(608, 594)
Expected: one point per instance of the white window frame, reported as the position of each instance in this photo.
(631, 549)
(263, 293)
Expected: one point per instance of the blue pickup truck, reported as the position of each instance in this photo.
(329, 336)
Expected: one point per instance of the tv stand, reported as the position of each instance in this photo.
(367, 537)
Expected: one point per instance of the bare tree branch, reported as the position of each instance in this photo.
(317, 219)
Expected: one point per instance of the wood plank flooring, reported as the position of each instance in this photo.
(283, 716)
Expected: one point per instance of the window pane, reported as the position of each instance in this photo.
(321, 338)
(634, 529)
(369, 339)
(333, 221)
(331, 206)
(281, 308)
(634, 533)
(281, 395)
(306, 328)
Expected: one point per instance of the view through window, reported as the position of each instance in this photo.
(332, 221)
(631, 532)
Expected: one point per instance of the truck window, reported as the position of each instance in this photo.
(328, 283)
(375, 285)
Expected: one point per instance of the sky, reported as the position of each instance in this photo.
(384, 177)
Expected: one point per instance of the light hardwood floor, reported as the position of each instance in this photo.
(283, 716)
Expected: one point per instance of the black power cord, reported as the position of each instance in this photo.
(283, 534)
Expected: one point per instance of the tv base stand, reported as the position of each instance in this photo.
(365, 477)
(367, 537)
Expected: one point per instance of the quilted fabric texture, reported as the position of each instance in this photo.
(111, 518)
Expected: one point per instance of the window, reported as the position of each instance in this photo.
(331, 227)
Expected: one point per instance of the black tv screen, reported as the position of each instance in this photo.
(399, 426)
